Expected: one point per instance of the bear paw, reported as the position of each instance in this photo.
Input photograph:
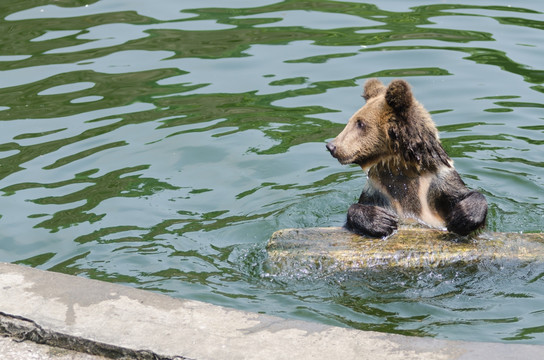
(370, 220)
(468, 215)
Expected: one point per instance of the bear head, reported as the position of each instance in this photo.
(392, 129)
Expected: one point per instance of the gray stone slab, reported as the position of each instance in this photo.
(117, 321)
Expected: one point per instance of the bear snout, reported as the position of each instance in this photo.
(332, 148)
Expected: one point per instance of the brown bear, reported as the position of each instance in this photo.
(410, 176)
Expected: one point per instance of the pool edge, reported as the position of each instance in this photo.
(112, 320)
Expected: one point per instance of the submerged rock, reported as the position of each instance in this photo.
(336, 249)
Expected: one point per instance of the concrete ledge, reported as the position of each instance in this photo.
(11, 349)
(120, 322)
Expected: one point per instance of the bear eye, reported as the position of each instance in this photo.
(360, 124)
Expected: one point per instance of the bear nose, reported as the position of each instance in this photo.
(331, 147)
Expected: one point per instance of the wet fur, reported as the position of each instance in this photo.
(410, 176)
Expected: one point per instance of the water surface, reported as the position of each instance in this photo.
(159, 144)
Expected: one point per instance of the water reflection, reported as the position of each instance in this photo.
(159, 145)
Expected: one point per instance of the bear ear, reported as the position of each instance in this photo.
(399, 95)
(373, 87)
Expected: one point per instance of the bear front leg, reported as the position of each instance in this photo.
(371, 220)
(468, 214)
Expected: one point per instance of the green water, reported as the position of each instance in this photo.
(158, 144)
